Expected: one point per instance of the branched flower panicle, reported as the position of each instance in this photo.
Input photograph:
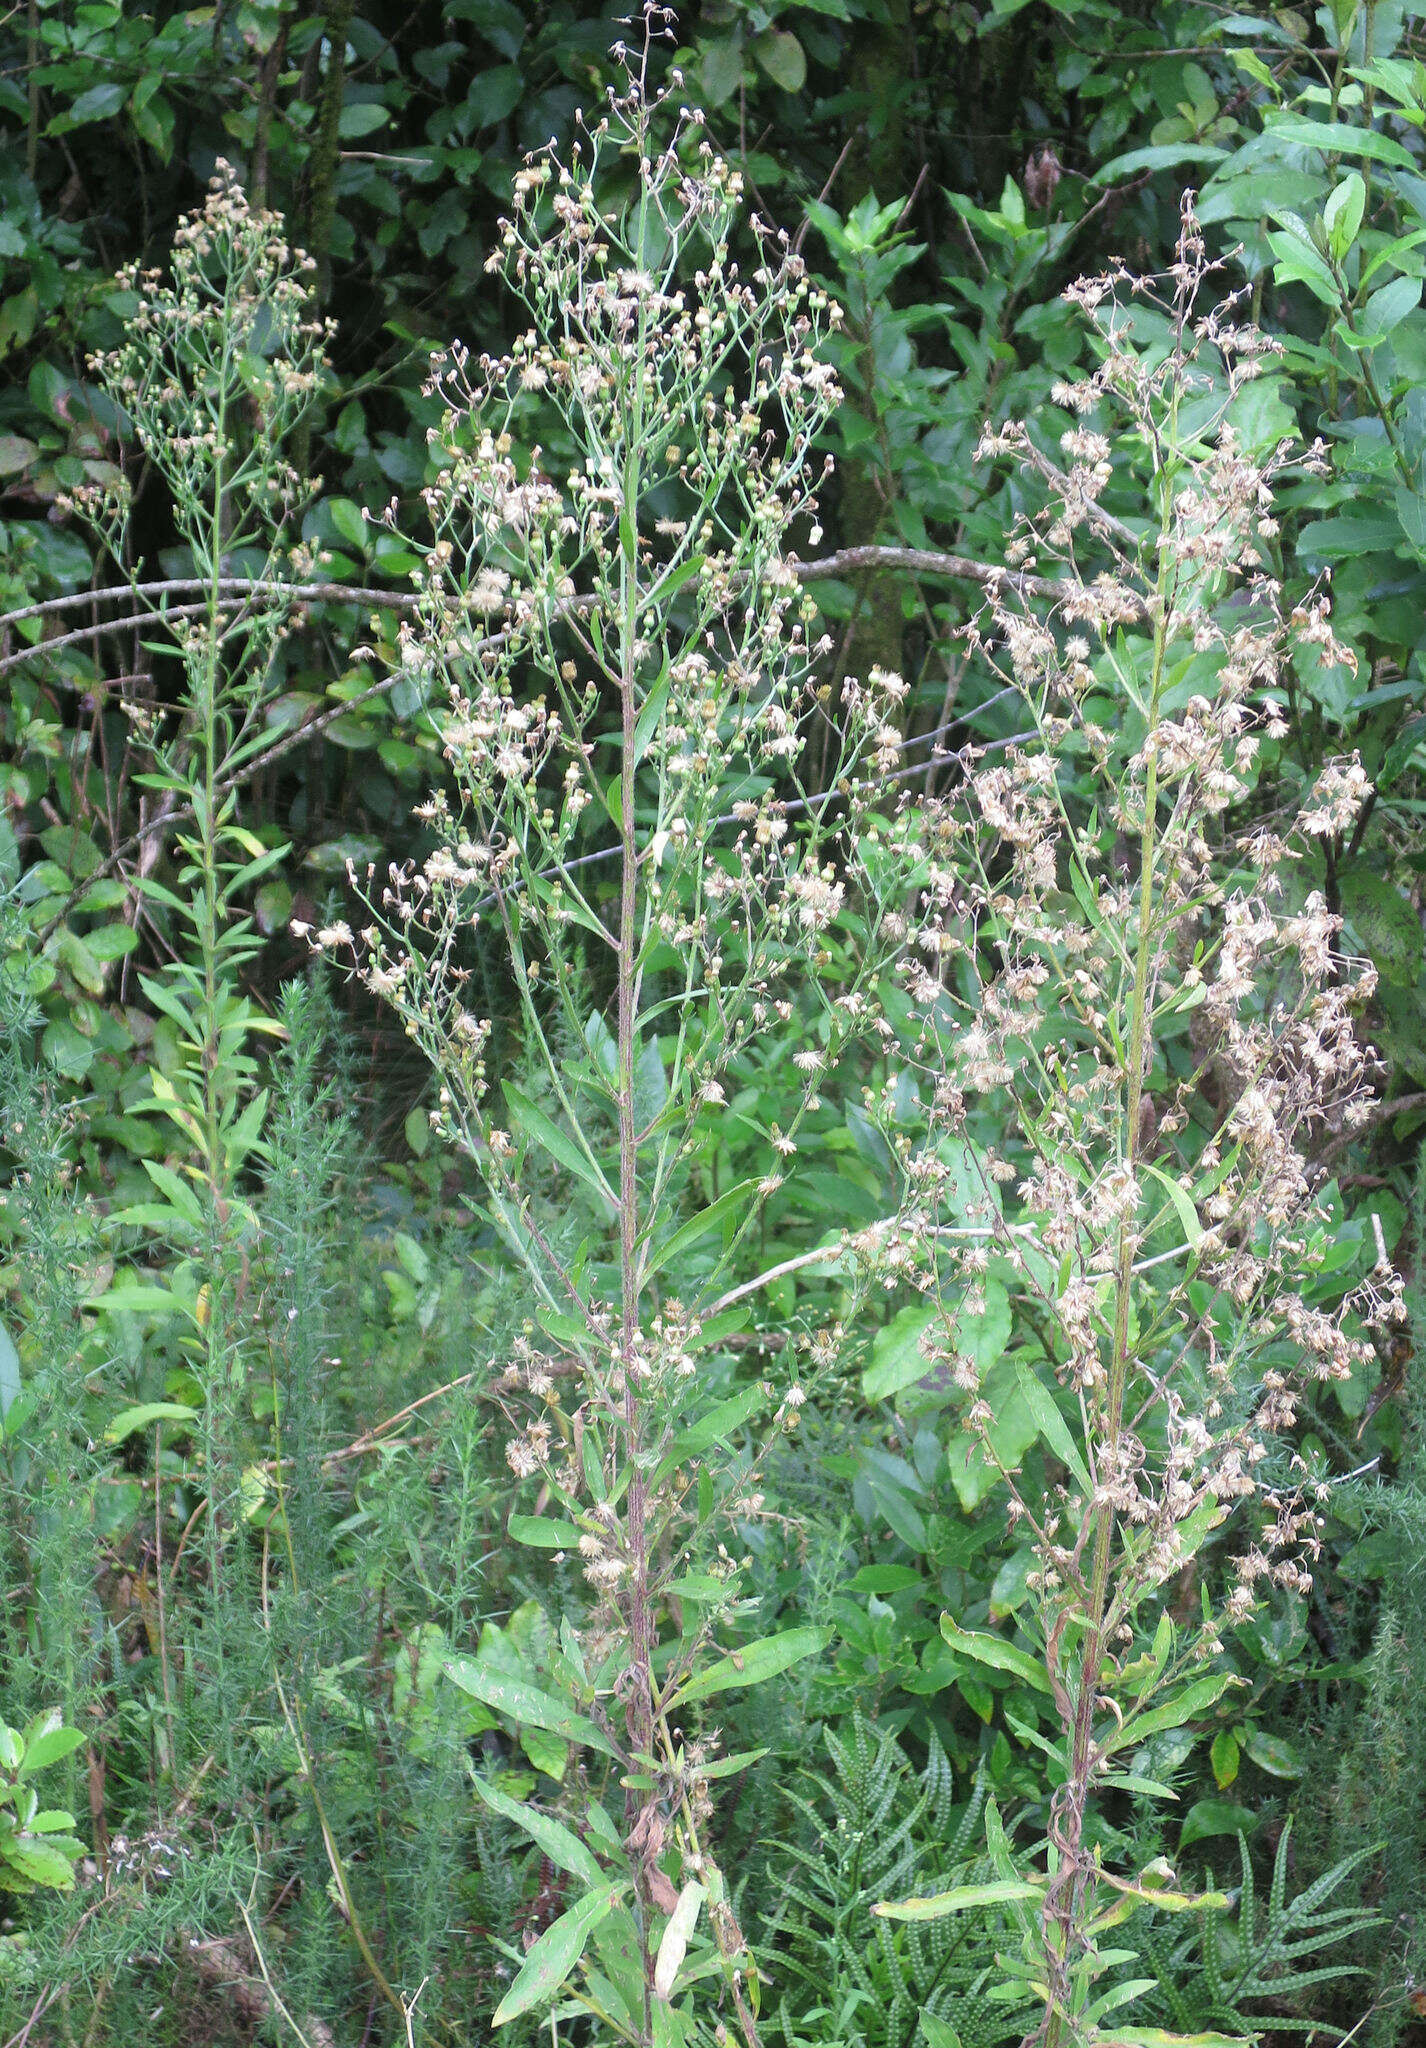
(654, 573)
(220, 361)
(1167, 1005)
(237, 295)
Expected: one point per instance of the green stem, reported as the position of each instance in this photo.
(639, 1608)
(327, 148)
(1066, 1902)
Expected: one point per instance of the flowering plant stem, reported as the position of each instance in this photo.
(1066, 1897)
(1163, 1007)
(651, 593)
(218, 364)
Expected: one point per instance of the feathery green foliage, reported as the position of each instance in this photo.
(871, 1827)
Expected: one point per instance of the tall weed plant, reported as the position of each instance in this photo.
(1094, 1005)
(1167, 1010)
(626, 639)
(1136, 1023)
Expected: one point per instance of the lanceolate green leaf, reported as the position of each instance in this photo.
(1182, 1202)
(559, 1145)
(674, 1945)
(554, 1955)
(733, 1201)
(961, 1899)
(1195, 1699)
(996, 1652)
(711, 1428)
(1155, 2037)
(9, 1373)
(753, 1664)
(129, 1421)
(539, 1532)
(1053, 1427)
(555, 1840)
(524, 1702)
(1340, 138)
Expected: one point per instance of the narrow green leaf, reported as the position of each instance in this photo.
(729, 1766)
(1224, 1757)
(960, 1899)
(1195, 1699)
(650, 712)
(1339, 138)
(1342, 215)
(523, 1702)
(1160, 156)
(1155, 2037)
(133, 1297)
(1052, 1425)
(163, 999)
(183, 1197)
(996, 1652)
(554, 1955)
(1181, 1199)
(567, 1329)
(539, 1532)
(755, 1663)
(10, 1381)
(733, 1201)
(673, 1947)
(556, 1841)
(1116, 1995)
(1150, 1788)
(720, 1422)
(561, 1148)
(675, 579)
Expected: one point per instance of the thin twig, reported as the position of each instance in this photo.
(227, 586)
(916, 561)
(244, 1907)
(937, 757)
(1377, 1113)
